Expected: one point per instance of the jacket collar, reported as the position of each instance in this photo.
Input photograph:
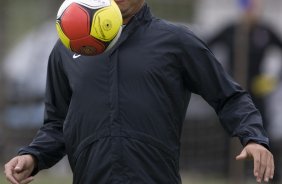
(144, 14)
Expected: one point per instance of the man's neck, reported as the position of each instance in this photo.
(127, 19)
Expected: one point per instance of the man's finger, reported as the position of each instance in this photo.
(263, 164)
(9, 173)
(243, 155)
(268, 170)
(272, 167)
(256, 157)
(20, 165)
(27, 180)
(11, 179)
(21, 176)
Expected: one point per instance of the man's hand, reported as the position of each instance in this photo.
(263, 161)
(19, 169)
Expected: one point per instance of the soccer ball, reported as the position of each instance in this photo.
(89, 27)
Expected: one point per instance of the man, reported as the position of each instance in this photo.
(247, 42)
(118, 116)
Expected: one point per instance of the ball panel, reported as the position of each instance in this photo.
(75, 22)
(117, 11)
(87, 46)
(106, 23)
(62, 36)
(94, 4)
(114, 41)
(63, 7)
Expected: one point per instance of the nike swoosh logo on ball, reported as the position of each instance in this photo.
(76, 56)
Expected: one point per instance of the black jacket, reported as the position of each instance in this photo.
(118, 116)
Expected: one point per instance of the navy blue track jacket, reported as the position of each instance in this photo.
(118, 116)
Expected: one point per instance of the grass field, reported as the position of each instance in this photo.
(46, 178)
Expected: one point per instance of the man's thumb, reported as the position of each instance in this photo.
(19, 166)
(243, 155)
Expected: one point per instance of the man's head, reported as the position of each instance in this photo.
(251, 8)
(129, 8)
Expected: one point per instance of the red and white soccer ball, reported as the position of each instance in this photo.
(89, 27)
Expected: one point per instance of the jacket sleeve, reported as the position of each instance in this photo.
(205, 76)
(48, 144)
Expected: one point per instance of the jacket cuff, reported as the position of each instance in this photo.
(264, 142)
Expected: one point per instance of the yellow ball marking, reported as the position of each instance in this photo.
(106, 23)
(62, 36)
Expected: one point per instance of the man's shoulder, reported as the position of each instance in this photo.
(172, 27)
(181, 33)
(60, 54)
(59, 48)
